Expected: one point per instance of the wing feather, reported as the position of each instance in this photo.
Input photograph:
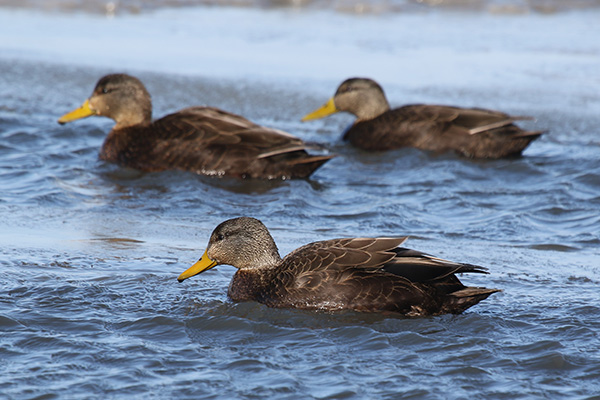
(211, 141)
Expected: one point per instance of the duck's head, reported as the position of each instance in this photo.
(120, 97)
(362, 97)
(243, 242)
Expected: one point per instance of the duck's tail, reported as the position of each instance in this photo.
(460, 300)
(531, 135)
(303, 167)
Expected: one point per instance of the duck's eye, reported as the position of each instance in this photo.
(106, 90)
(220, 237)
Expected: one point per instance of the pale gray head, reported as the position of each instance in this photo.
(362, 97)
(120, 97)
(243, 242)
(123, 98)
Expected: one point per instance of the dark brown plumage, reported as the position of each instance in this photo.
(361, 274)
(470, 132)
(204, 140)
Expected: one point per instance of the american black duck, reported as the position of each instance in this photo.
(361, 274)
(203, 140)
(470, 132)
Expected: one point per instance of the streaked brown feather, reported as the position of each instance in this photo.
(208, 141)
(473, 133)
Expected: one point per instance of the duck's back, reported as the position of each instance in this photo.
(470, 132)
(211, 142)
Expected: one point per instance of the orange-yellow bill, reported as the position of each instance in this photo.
(325, 110)
(204, 264)
(81, 112)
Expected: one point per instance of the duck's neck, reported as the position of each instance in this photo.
(121, 145)
(251, 284)
(262, 256)
(140, 116)
(365, 105)
(113, 145)
(373, 108)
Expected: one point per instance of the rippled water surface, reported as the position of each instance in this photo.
(90, 252)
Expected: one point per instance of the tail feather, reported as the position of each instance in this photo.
(312, 159)
(530, 134)
(460, 300)
(303, 167)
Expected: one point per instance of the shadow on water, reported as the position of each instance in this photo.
(162, 181)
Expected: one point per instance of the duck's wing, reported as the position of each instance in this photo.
(371, 255)
(420, 267)
(469, 121)
(364, 253)
(371, 274)
(322, 262)
(212, 141)
(212, 126)
(338, 274)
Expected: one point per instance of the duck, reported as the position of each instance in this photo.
(204, 140)
(353, 274)
(469, 132)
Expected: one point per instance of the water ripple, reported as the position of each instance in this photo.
(90, 252)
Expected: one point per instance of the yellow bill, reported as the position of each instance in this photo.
(204, 264)
(327, 109)
(81, 112)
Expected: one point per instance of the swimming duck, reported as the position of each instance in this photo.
(470, 132)
(203, 140)
(361, 274)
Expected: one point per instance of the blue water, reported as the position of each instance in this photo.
(90, 252)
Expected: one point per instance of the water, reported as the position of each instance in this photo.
(89, 252)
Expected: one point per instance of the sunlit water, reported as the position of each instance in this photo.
(89, 252)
